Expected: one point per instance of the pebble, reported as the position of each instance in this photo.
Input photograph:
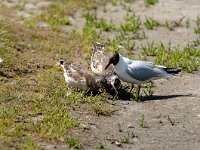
(1, 60)
(118, 143)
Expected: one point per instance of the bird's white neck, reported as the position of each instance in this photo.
(121, 63)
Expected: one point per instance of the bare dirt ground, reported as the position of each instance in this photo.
(172, 114)
(176, 99)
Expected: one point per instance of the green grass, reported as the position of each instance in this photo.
(132, 24)
(187, 22)
(187, 58)
(119, 127)
(58, 13)
(93, 22)
(151, 23)
(127, 138)
(197, 29)
(142, 122)
(34, 102)
(150, 2)
(74, 143)
(100, 146)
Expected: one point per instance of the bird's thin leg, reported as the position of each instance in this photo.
(69, 90)
(132, 88)
(138, 92)
(116, 91)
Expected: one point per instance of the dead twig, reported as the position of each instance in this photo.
(172, 122)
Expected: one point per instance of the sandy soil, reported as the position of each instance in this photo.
(176, 99)
(172, 114)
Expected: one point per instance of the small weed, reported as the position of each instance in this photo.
(150, 2)
(150, 23)
(142, 122)
(74, 143)
(196, 42)
(27, 144)
(198, 20)
(21, 5)
(100, 146)
(128, 8)
(127, 138)
(151, 49)
(187, 23)
(100, 110)
(91, 6)
(136, 97)
(197, 29)
(169, 25)
(129, 45)
(149, 91)
(101, 24)
(119, 127)
(93, 22)
(114, 2)
(132, 24)
(54, 20)
(57, 13)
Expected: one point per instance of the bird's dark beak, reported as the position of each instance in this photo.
(108, 65)
(61, 62)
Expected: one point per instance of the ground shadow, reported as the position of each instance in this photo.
(164, 97)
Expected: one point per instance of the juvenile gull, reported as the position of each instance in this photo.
(79, 77)
(135, 71)
(99, 60)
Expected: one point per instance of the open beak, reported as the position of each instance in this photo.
(108, 65)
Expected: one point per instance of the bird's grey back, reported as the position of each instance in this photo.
(142, 72)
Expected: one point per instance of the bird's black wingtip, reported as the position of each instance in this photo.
(173, 71)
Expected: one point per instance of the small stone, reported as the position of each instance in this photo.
(1, 60)
(43, 25)
(118, 143)
(85, 126)
(131, 126)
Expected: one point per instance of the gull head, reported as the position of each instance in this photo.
(61, 62)
(97, 47)
(114, 59)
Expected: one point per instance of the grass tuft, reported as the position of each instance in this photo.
(197, 29)
(132, 24)
(127, 138)
(74, 143)
(93, 22)
(186, 58)
(150, 2)
(150, 23)
(142, 122)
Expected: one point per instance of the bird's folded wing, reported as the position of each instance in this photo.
(141, 72)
